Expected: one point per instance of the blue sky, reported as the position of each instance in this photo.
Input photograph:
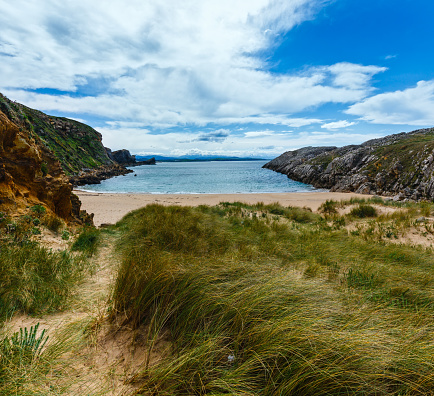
(246, 78)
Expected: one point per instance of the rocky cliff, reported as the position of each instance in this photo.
(30, 174)
(75, 145)
(400, 165)
(125, 158)
(41, 155)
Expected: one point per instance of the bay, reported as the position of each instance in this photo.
(214, 177)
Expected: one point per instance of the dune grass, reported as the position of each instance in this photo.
(34, 280)
(87, 241)
(265, 300)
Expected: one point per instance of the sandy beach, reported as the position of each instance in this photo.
(110, 208)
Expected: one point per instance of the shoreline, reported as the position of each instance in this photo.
(109, 208)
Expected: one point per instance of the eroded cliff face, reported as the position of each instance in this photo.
(30, 175)
(400, 165)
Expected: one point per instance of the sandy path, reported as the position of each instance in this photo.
(110, 208)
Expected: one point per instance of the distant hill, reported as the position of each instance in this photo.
(401, 165)
(160, 158)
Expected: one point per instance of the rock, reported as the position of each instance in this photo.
(421, 220)
(29, 173)
(95, 176)
(123, 157)
(398, 197)
(377, 166)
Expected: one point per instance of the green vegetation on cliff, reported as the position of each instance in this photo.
(397, 164)
(75, 145)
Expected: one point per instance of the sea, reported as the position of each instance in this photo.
(211, 177)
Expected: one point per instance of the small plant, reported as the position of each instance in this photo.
(36, 231)
(87, 241)
(53, 223)
(338, 222)
(36, 222)
(38, 209)
(425, 209)
(44, 169)
(24, 345)
(65, 235)
(362, 211)
(329, 207)
(3, 217)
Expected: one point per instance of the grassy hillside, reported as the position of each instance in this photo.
(233, 299)
(74, 144)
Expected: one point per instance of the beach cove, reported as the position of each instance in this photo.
(109, 208)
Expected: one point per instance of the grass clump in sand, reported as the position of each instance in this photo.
(36, 280)
(256, 302)
(87, 241)
(363, 210)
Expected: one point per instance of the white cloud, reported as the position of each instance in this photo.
(258, 134)
(354, 76)
(337, 125)
(162, 64)
(412, 106)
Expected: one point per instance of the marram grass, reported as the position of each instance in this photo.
(258, 301)
(35, 280)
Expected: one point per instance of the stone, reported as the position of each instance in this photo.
(363, 169)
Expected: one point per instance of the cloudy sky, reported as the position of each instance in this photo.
(243, 77)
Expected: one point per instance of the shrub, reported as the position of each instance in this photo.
(87, 241)
(362, 211)
(53, 223)
(38, 209)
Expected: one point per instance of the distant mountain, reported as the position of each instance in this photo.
(401, 165)
(160, 158)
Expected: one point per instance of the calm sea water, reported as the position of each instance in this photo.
(200, 178)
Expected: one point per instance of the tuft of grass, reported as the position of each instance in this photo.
(87, 241)
(54, 223)
(363, 210)
(329, 207)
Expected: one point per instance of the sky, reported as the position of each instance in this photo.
(250, 78)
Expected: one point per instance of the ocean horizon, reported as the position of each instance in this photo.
(211, 177)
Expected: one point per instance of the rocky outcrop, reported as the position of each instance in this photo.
(30, 174)
(400, 165)
(74, 144)
(95, 176)
(124, 157)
